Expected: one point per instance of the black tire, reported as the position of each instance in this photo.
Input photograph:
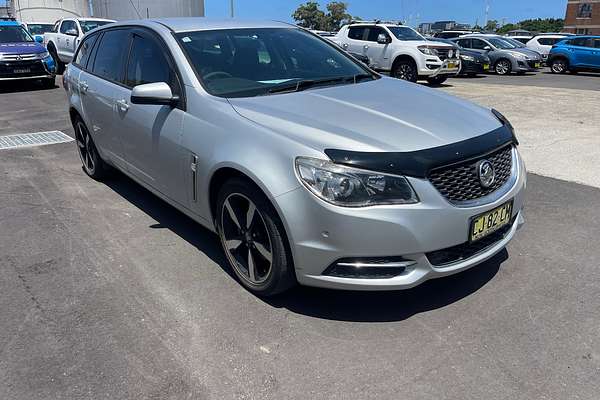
(264, 230)
(92, 163)
(559, 65)
(60, 66)
(437, 80)
(406, 70)
(503, 66)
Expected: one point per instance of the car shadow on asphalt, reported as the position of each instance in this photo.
(388, 306)
(315, 302)
(22, 86)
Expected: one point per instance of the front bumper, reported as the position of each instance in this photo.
(321, 234)
(434, 67)
(474, 67)
(527, 65)
(27, 69)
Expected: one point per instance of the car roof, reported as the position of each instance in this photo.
(10, 23)
(202, 23)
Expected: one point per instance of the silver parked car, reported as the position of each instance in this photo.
(310, 167)
(506, 57)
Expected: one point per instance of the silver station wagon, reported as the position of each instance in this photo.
(310, 167)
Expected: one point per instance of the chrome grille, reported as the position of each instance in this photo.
(460, 182)
(19, 57)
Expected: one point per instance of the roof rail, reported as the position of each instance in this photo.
(376, 21)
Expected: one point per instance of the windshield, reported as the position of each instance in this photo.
(87, 26)
(252, 62)
(405, 33)
(39, 29)
(501, 43)
(14, 34)
(515, 42)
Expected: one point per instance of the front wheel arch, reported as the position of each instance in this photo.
(405, 58)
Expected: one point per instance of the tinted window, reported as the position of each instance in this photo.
(478, 44)
(548, 41)
(579, 42)
(465, 43)
(251, 62)
(374, 33)
(85, 50)
(87, 26)
(405, 33)
(67, 25)
(147, 64)
(596, 43)
(111, 55)
(584, 10)
(39, 29)
(356, 32)
(14, 34)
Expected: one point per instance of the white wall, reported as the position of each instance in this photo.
(49, 10)
(135, 9)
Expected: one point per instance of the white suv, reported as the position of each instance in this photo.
(543, 44)
(401, 51)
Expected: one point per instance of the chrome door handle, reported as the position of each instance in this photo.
(83, 87)
(123, 106)
(366, 46)
(345, 45)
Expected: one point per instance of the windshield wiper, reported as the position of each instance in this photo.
(304, 84)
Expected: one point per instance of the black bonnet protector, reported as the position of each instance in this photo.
(419, 163)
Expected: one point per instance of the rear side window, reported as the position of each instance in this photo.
(111, 55)
(356, 32)
(465, 43)
(85, 50)
(67, 25)
(547, 41)
(479, 44)
(374, 33)
(578, 42)
(596, 43)
(148, 64)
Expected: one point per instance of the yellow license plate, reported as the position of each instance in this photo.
(486, 67)
(537, 65)
(489, 222)
(451, 65)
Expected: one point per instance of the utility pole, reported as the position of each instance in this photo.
(487, 12)
(231, 9)
(91, 5)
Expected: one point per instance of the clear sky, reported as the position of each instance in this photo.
(467, 11)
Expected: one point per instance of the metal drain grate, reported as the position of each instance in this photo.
(33, 139)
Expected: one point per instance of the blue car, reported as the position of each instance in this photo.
(21, 57)
(578, 53)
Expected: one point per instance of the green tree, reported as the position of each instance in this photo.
(337, 13)
(309, 16)
(491, 26)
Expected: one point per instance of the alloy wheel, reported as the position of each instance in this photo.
(559, 66)
(503, 67)
(85, 147)
(246, 239)
(405, 72)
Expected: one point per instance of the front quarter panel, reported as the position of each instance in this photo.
(221, 138)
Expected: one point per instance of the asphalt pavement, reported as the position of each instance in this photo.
(107, 292)
(542, 78)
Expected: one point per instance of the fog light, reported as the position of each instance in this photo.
(369, 268)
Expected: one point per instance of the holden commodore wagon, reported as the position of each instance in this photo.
(310, 167)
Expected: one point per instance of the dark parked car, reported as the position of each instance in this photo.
(575, 54)
(471, 62)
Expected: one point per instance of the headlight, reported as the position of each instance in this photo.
(427, 50)
(518, 55)
(43, 55)
(467, 58)
(351, 187)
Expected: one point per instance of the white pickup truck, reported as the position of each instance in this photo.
(400, 50)
(66, 35)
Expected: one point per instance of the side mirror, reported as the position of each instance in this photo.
(382, 39)
(72, 32)
(39, 38)
(487, 48)
(154, 93)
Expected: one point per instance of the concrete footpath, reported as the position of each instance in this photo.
(559, 129)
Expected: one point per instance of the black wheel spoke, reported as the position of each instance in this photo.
(245, 238)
